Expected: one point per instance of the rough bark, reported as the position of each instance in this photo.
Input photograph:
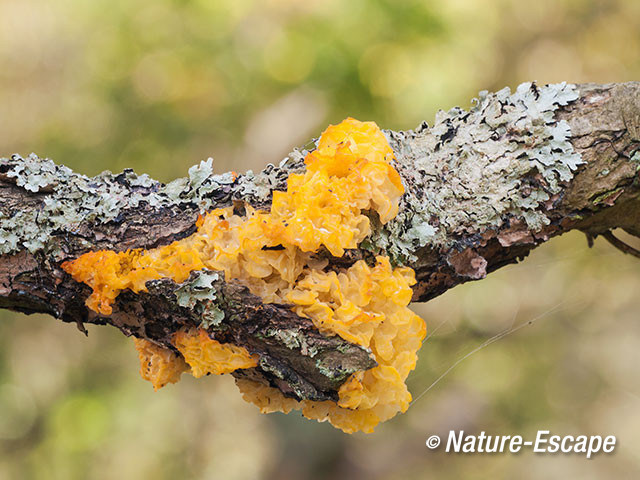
(484, 188)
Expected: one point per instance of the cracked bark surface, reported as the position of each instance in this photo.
(601, 194)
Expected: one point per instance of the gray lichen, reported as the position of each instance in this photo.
(508, 151)
(198, 294)
(70, 199)
(330, 371)
(635, 158)
(294, 340)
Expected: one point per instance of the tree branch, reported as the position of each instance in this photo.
(483, 188)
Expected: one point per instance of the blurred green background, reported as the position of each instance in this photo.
(159, 85)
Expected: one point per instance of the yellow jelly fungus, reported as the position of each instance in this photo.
(350, 172)
(367, 306)
(159, 365)
(205, 355)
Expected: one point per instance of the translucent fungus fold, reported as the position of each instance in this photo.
(348, 174)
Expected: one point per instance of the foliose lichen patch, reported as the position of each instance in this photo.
(70, 199)
(474, 170)
(199, 293)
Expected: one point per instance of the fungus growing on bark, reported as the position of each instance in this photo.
(159, 365)
(205, 355)
(348, 174)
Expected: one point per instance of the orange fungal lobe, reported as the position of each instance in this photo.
(349, 173)
(159, 365)
(205, 355)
